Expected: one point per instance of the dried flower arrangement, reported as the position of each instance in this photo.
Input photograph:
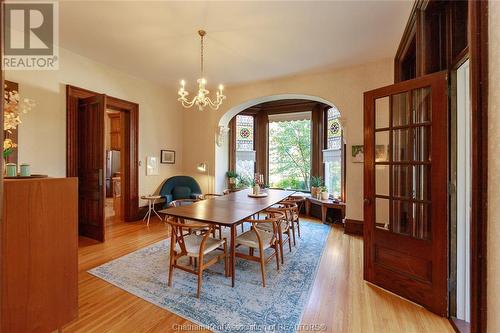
(13, 108)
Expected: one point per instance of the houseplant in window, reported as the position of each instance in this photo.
(243, 182)
(324, 193)
(231, 177)
(316, 183)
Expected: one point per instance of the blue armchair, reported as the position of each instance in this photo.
(180, 187)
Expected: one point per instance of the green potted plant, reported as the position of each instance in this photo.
(316, 183)
(231, 177)
(324, 193)
(243, 182)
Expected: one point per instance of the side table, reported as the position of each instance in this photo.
(151, 199)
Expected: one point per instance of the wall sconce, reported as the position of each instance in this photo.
(221, 135)
(202, 167)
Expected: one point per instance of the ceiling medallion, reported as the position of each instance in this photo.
(201, 99)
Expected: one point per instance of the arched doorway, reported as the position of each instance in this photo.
(282, 103)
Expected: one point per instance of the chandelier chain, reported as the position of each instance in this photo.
(201, 65)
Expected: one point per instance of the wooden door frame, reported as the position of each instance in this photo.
(130, 187)
(478, 55)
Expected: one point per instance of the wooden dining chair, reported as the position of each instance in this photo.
(260, 240)
(283, 214)
(195, 247)
(299, 201)
(189, 223)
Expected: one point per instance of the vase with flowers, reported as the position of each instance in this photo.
(8, 148)
(13, 107)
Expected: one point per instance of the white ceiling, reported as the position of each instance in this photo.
(246, 41)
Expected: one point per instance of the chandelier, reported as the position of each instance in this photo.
(201, 99)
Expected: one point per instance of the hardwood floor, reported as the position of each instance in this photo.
(340, 298)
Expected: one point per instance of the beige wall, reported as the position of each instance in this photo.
(42, 135)
(493, 275)
(341, 87)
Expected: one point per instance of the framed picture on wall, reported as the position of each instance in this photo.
(358, 153)
(168, 156)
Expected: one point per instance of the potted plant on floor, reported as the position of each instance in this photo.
(231, 178)
(316, 183)
(324, 193)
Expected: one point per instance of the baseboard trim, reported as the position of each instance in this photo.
(353, 227)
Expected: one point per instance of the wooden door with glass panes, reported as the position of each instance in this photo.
(405, 189)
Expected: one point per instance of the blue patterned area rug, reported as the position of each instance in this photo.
(248, 307)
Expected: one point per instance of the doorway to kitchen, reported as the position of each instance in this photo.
(103, 173)
(113, 145)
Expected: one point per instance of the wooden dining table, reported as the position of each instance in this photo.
(228, 211)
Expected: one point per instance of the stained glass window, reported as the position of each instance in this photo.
(333, 166)
(245, 163)
(244, 133)
(334, 131)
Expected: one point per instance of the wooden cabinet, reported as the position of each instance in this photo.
(435, 39)
(115, 130)
(39, 263)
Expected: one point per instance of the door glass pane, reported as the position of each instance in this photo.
(421, 176)
(382, 213)
(382, 179)
(421, 105)
(381, 146)
(422, 220)
(400, 109)
(400, 146)
(421, 143)
(382, 112)
(401, 217)
(402, 163)
(400, 181)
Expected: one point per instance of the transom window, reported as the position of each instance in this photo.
(334, 131)
(244, 133)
